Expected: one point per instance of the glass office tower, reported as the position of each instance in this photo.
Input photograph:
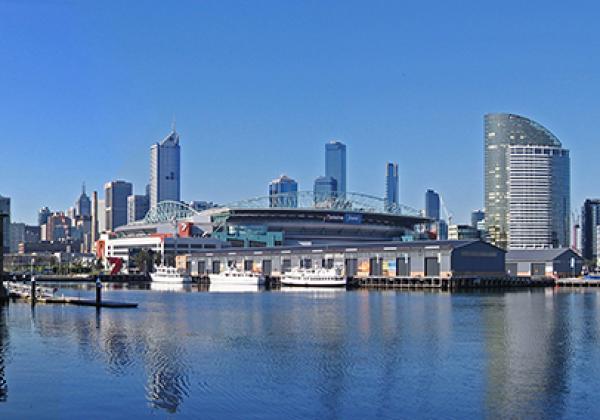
(527, 184)
(283, 192)
(165, 170)
(335, 164)
(432, 205)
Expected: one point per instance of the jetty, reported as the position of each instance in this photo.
(35, 294)
(578, 282)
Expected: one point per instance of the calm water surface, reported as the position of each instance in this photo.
(304, 354)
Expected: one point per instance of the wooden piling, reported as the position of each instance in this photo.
(98, 293)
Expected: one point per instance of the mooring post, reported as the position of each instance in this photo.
(33, 293)
(98, 292)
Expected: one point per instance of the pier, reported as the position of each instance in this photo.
(577, 282)
(37, 294)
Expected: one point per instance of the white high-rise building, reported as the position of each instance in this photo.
(527, 184)
(165, 170)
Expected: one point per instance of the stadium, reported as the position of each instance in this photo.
(299, 218)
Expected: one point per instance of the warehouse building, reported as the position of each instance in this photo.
(556, 263)
(416, 259)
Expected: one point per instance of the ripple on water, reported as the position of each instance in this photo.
(168, 383)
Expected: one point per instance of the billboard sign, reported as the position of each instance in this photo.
(353, 218)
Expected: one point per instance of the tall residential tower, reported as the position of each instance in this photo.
(165, 170)
(392, 186)
(527, 184)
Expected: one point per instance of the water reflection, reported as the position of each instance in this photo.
(166, 287)
(320, 353)
(529, 349)
(233, 288)
(3, 353)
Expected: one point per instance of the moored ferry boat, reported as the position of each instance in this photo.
(321, 277)
(232, 276)
(172, 275)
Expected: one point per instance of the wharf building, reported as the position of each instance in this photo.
(590, 220)
(283, 192)
(416, 259)
(555, 263)
(527, 184)
(392, 185)
(165, 170)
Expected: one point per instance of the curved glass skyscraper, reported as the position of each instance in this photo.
(527, 184)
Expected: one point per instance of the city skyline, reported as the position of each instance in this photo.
(395, 101)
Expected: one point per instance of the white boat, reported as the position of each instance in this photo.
(165, 274)
(320, 277)
(234, 276)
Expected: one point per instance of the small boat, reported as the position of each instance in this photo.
(321, 277)
(22, 290)
(172, 275)
(233, 276)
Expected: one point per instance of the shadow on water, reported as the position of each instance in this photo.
(3, 353)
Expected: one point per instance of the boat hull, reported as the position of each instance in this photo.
(170, 280)
(300, 282)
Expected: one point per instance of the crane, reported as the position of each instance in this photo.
(447, 214)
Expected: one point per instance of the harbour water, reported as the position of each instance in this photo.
(304, 354)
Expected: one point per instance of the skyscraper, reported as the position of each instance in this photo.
(5, 209)
(165, 170)
(283, 192)
(94, 223)
(83, 205)
(43, 215)
(392, 186)
(590, 220)
(476, 217)
(335, 164)
(324, 189)
(115, 201)
(527, 184)
(137, 207)
(432, 205)
(101, 216)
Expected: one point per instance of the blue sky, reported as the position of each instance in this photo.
(258, 88)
